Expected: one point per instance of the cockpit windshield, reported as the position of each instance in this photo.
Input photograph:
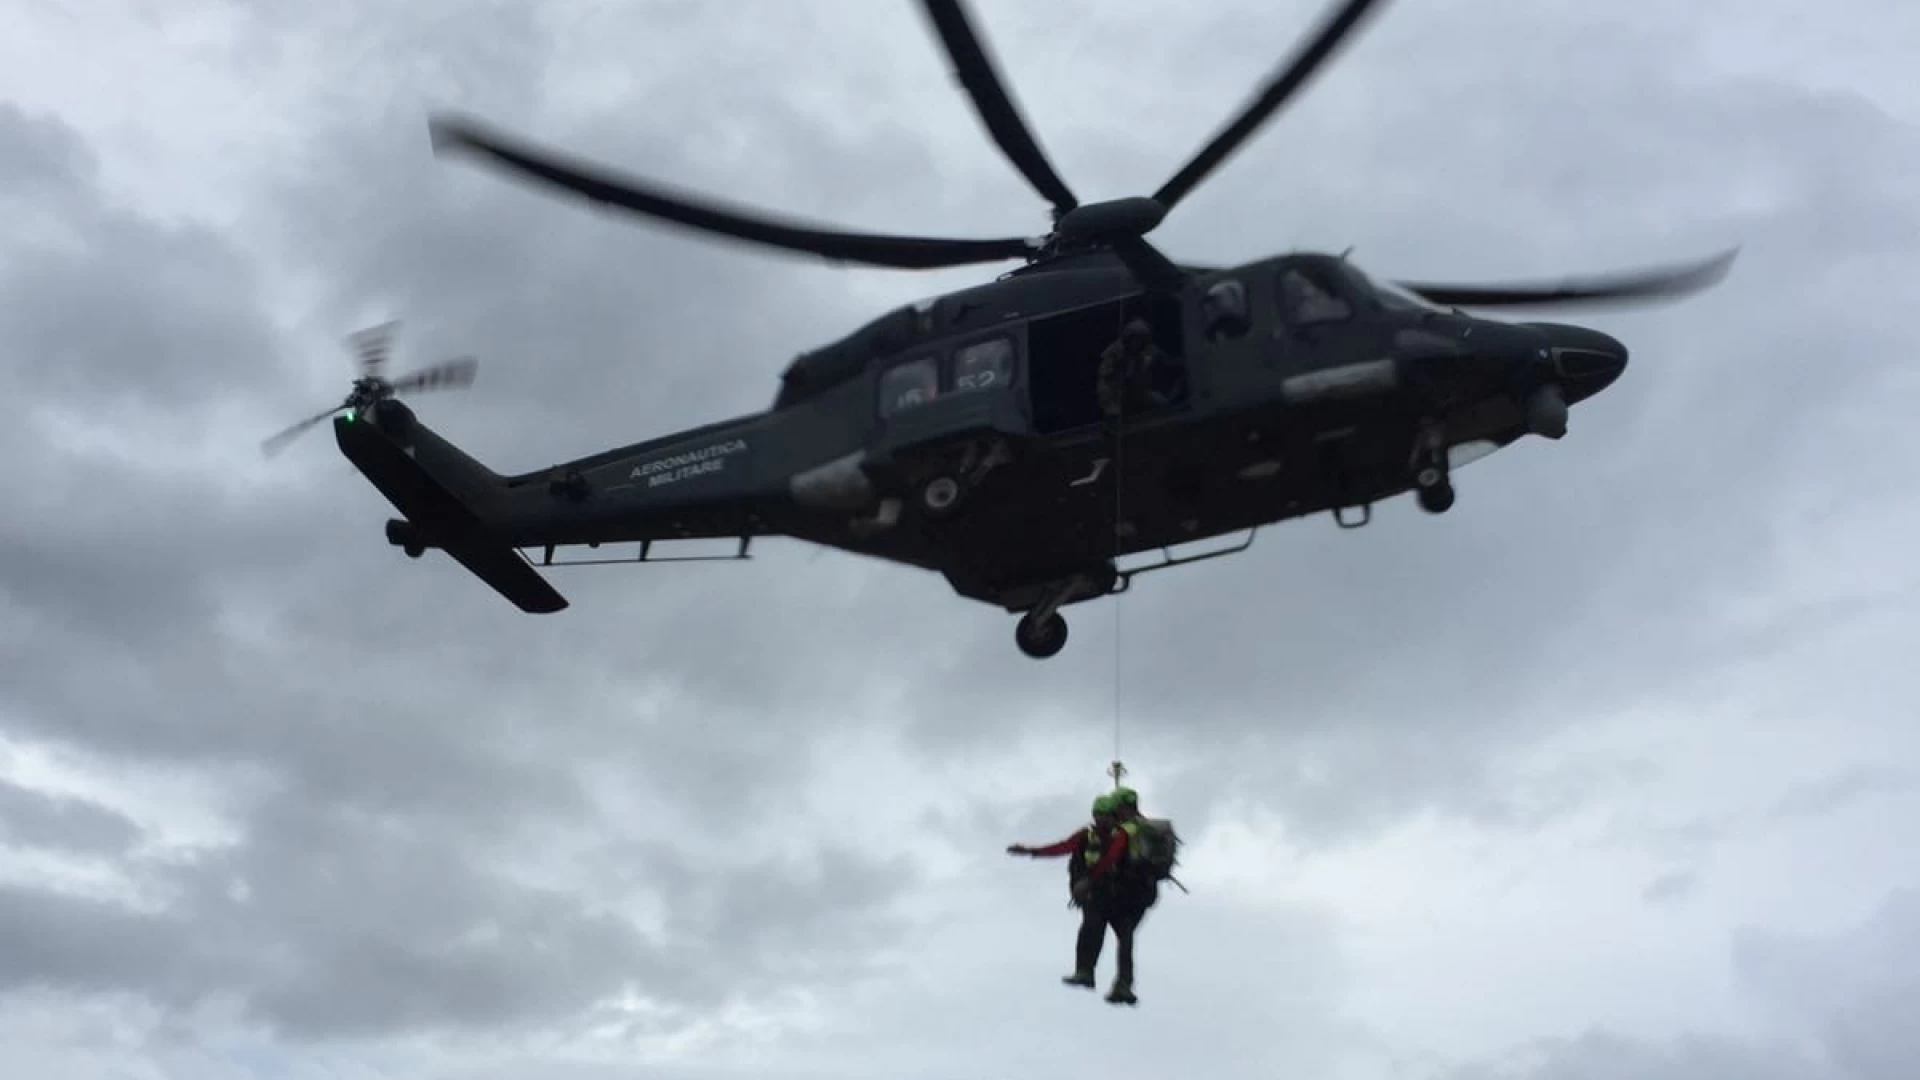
(1394, 298)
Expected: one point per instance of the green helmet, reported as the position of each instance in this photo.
(1103, 804)
(1125, 796)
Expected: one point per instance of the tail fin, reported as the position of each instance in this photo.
(438, 489)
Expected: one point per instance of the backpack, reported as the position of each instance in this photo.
(1160, 848)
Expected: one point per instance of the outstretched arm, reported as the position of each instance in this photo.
(1050, 851)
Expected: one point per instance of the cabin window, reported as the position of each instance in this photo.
(908, 385)
(1306, 297)
(1226, 309)
(983, 365)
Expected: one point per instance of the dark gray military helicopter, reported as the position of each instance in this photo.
(966, 435)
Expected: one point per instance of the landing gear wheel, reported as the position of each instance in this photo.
(1430, 480)
(414, 551)
(1433, 486)
(1436, 498)
(1041, 638)
(940, 496)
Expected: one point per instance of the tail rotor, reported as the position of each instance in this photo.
(371, 348)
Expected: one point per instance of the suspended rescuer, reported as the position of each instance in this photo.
(1104, 889)
(1153, 849)
(1142, 887)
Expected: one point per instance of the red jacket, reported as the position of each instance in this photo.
(1076, 845)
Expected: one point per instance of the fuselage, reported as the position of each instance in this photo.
(968, 436)
(1289, 363)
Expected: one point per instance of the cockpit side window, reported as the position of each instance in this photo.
(909, 385)
(1306, 297)
(1226, 309)
(983, 364)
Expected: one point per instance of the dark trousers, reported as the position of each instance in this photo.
(1099, 913)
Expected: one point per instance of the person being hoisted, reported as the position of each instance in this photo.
(1153, 850)
(1103, 890)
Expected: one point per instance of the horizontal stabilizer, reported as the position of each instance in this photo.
(443, 520)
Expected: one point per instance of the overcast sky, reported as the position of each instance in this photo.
(1606, 774)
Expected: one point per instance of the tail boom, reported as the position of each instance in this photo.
(441, 519)
(690, 486)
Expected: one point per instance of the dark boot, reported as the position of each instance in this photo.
(1124, 924)
(1086, 947)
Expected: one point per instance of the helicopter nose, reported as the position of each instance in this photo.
(1587, 360)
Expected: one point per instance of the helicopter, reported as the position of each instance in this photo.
(975, 434)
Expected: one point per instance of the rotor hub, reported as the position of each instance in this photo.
(1115, 219)
(371, 387)
(368, 390)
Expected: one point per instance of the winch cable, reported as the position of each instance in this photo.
(1123, 382)
(1117, 769)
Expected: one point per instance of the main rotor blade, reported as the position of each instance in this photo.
(372, 345)
(457, 372)
(994, 102)
(603, 186)
(1656, 283)
(280, 442)
(1332, 34)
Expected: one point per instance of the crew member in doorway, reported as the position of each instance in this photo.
(1097, 872)
(1135, 373)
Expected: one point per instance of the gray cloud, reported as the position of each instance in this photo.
(1671, 886)
(34, 818)
(1839, 1010)
(1601, 1054)
(1838, 791)
(368, 907)
(343, 922)
(184, 310)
